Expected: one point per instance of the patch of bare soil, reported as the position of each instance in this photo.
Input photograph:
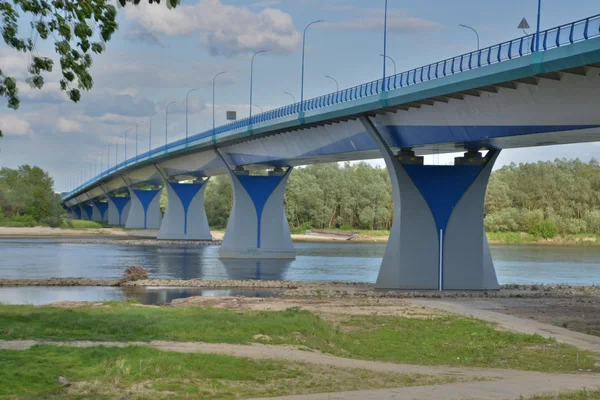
(328, 308)
(580, 314)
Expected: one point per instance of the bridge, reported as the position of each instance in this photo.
(505, 96)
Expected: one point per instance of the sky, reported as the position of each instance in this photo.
(158, 55)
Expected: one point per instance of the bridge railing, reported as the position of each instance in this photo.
(552, 38)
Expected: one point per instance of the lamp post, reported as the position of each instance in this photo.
(128, 130)
(384, 44)
(167, 124)
(213, 101)
(391, 59)
(303, 50)
(473, 29)
(337, 86)
(539, 16)
(150, 135)
(251, 75)
(186, 115)
(291, 95)
(107, 157)
(136, 139)
(261, 109)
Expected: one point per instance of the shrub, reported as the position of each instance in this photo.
(18, 221)
(531, 220)
(546, 229)
(507, 220)
(572, 225)
(592, 219)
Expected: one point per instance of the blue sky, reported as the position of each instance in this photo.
(157, 55)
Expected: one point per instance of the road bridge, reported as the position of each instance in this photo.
(501, 97)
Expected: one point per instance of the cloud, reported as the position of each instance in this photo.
(266, 3)
(223, 29)
(139, 34)
(14, 126)
(68, 126)
(371, 19)
(119, 104)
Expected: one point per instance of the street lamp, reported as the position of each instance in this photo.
(261, 109)
(150, 135)
(107, 157)
(384, 44)
(303, 50)
(539, 16)
(136, 138)
(391, 59)
(167, 123)
(213, 108)
(128, 130)
(337, 86)
(251, 74)
(186, 115)
(473, 29)
(293, 98)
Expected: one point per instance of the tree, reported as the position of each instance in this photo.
(79, 29)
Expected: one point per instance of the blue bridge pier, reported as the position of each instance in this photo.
(437, 239)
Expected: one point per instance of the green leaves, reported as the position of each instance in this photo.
(69, 23)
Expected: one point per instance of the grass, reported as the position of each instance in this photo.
(578, 395)
(526, 238)
(68, 223)
(444, 340)
(138, 372)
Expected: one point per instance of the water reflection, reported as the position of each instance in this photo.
(265, 269)
(150, 295)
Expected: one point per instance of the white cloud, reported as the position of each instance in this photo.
(14, 126)
(266, 3)
(371, 19)
(68, 126)
(223, 29)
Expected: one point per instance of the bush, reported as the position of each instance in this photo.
(531, 220)
(592, 219)
(18, 221)
(546, 229)
(572, 225)
(507, 220)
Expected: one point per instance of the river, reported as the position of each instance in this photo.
(347, 262)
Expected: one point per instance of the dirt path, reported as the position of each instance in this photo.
(492, 383)
(479, 309)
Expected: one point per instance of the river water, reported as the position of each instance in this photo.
(347, 262)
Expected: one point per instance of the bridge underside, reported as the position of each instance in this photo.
(437, 240)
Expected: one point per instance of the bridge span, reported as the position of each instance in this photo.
(504, 96)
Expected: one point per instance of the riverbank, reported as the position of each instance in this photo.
(337, 236)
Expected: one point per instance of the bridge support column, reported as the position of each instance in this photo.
(118, 210)
(257, 226)
(76, 212)
(86, 212)
(185, 217)
(144, 212)
(99, 211)
(437, 240)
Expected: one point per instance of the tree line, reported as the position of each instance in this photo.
(544, 198)
(27, 198)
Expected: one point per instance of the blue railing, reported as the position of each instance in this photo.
(552, 38)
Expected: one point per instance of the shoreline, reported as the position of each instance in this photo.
(148, 237)
(316, 289)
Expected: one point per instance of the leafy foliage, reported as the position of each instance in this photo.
(543, 199)
(27, 198)
(79, 28)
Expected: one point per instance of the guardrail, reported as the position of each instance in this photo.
(549, 39)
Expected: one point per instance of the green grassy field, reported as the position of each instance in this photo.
(578, 395)
(146, 373)
(444, 340)
(68, 223)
